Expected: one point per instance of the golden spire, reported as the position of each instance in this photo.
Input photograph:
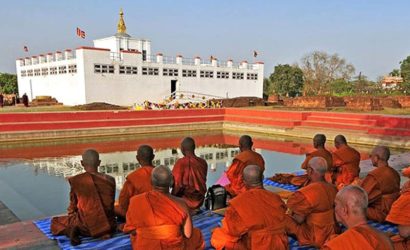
(121, 28)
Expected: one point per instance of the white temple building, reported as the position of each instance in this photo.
(122, 70)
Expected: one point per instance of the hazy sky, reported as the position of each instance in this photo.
(373, 35)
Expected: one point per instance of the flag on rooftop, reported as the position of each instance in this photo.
(25, 49)
(80, 33)
(255, 53)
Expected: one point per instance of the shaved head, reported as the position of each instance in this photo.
(188, 145)
(319, 140)
(354, 198)
(245, 142)
(162, 177)
(91, 158)
(382, 152)
(252, 175)
(340, 140)
(145, 154)
(318, 164)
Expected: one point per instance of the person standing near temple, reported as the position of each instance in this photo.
(25, 100)
(1, 100)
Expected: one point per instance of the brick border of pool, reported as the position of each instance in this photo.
(368, 129)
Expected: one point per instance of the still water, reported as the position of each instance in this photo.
(33, 177)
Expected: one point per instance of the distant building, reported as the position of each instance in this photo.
(122, 70)
(390, 82)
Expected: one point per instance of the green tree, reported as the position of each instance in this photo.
(341, 87)
(8, 83)
(320, 69)
(267, 86)
(405, 69)
(287, 80)
(363, 86)
(395, 72)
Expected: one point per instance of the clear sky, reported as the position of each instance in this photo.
(373, 35)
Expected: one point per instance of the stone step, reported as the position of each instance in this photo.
(70, 124)
(271, 121)
(334, 125)
(346, 120)
(389, 131)
(104, 115)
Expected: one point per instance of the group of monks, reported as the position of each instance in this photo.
(157, 203)
(155, 217)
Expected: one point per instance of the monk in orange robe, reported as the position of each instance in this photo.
(137, 182)
(346, 161)
(91, 209)
(190, 176)
(382, 185)
(319, 141)
(159, 220)
(312, 215)
(400, 214)
(246, 157)
(255, 219)
(351, 203)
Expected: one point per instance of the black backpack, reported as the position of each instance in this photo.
(215, 197)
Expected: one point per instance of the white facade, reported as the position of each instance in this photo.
(122, 70)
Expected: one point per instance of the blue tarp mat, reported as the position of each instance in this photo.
(289, 187)
(205, 221)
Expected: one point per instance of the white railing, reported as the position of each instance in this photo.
(202, 62)
(53, 58)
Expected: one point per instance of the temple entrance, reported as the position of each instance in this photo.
(173, 87)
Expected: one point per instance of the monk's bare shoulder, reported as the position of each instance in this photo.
(180, 202)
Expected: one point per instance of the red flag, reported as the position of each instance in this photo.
(255, 53)
(25, 49)
(80, 33)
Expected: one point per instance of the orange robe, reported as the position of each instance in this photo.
(91, 207)
(346, 161)
(190, 180)
(255, 219)
(383, 188)
(363, 237)
(315, 202)
(234, 173)
(406, 172)
(400, 214)
(137, 182)
(324, 153)
(158, 222)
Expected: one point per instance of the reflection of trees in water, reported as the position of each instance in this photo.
(119, 168)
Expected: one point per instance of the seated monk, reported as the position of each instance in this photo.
(312, 214)
(346, 161)
(91, 209)
(246, 157)
(137, 182)
(190, 176)
(400, 214)
(255, 219)
(319, 141)
(351, 204)
(159, 220)
(382, 185)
